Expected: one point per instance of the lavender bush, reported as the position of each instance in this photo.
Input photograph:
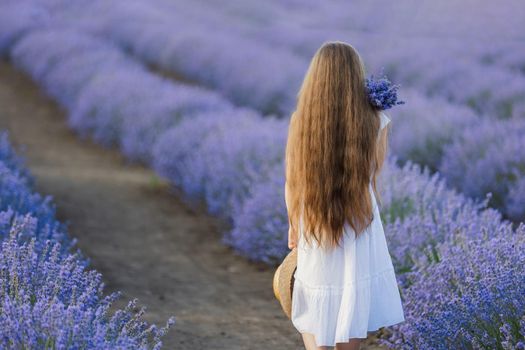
(512, 58)
(238, 156)
(17, 18)
(176, 152)
(164, 37)
(11, 161)
(420, 213)
(489, 157)
(515, 201)
(17, 198)
(219, 157)
(99, 85)
(473, 299)
(260, 226)
(482, 97)
(164, 109)
(424, 126)
(48, 298)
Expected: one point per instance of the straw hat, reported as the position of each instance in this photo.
(283, 281)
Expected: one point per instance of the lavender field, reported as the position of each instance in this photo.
(202, 94)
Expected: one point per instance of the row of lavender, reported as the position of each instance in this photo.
(386, 35)
(456, 121)
(232, 157)
(474, 153)
(302, 26)
(160, 31)
(48, 297)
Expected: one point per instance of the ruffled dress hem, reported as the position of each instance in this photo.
(335, 314)
(370, 330)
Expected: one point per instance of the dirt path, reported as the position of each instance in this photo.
(146, 242)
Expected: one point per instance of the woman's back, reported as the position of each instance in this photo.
(347, 291)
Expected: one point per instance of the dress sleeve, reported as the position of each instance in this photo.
(384, 120)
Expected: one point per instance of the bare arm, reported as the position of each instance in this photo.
(292, 233)
(382, 147)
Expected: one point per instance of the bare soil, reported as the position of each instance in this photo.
(147, 242)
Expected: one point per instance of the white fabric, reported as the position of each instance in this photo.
(384, 120)
(347, 292)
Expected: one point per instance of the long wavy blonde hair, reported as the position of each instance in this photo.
(332, 151)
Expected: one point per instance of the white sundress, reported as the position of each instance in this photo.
(349, 291)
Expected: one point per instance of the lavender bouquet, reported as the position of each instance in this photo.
(382, 94)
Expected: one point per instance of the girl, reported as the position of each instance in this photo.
(345, 284)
